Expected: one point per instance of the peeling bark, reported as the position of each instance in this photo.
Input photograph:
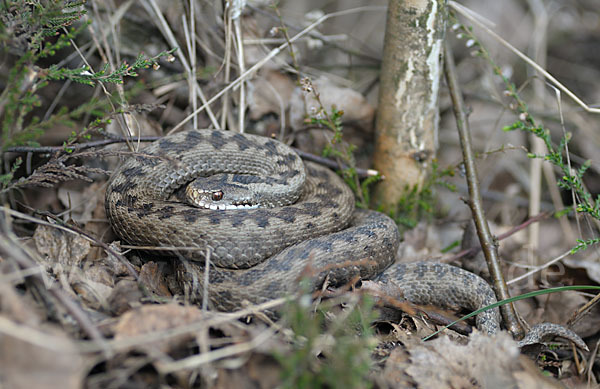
(407, 118)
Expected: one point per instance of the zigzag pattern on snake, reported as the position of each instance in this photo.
(259, 254)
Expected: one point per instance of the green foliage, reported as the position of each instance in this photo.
(346, 344)
(584, 244)
(333, 121)
(82, 75)
(25, 25)
(6, 179)
(513, 299)
(417, 203)
(450, 247)
(413, 206)
(338, 149)
(96, 126)
(34, 31)
(572, 179)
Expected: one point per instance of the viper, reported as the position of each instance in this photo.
(262, 219)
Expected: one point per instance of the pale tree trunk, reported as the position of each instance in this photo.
(407, 117)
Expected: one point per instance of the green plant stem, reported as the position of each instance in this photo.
(517, 298)
(487, 240)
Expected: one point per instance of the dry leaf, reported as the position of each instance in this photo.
(152, 276)
(270, 94)
(33, 355)
(81, 200)
(94, 294)
(356, 108)
(125, 295)
(591, 267)
(260, 371)
(485, 362)
(60, 247)
(152, 318)
(394, 373)
(25, 364)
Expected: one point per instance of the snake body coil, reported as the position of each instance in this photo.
(140, 207)
(260, 254)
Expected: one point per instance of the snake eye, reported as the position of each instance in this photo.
(217, 196)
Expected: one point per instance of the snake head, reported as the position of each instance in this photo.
(221, 192)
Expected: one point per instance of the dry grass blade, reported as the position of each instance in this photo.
(137, 315)
(10, 248)
(475, 19)
(196, 361)
(271, 55)
(153, 9)
(73, 230)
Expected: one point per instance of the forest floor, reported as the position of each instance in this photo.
(80, 309)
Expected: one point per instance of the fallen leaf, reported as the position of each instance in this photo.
(34, 354)
(81, 200)
(125, 295)
(60, 247)
(25, 364)
(153, 278)
(152, 318)
(485, 362)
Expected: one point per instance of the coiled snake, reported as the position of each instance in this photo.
(305, 224)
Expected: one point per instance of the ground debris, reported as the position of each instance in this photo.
(485, 362)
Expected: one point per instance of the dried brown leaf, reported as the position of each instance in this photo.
(153, 318)
(356, 108)
(81, 201)
(153, 278)
(485, 362)
(49, 359)
(60, 247)
(125, 295)
(25, 364)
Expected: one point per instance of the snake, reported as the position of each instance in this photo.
(261, 219)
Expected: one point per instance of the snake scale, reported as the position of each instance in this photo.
(306, 225)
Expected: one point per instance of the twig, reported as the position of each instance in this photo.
(152, 8)
(487, 240)
(147, 338)
(474, 250)
(591, 361)
(583, 310)
(74, 230)
(206, 281)
(191, 71)
(470, 16)
(77, 146)
(238, 38)
(326, 39)
(10, 248)
(539, 51)
(385, 299)
(226, 64)
(334, 164)
(541, 267)
(196, 361)
(117, 139)
(273, 53)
